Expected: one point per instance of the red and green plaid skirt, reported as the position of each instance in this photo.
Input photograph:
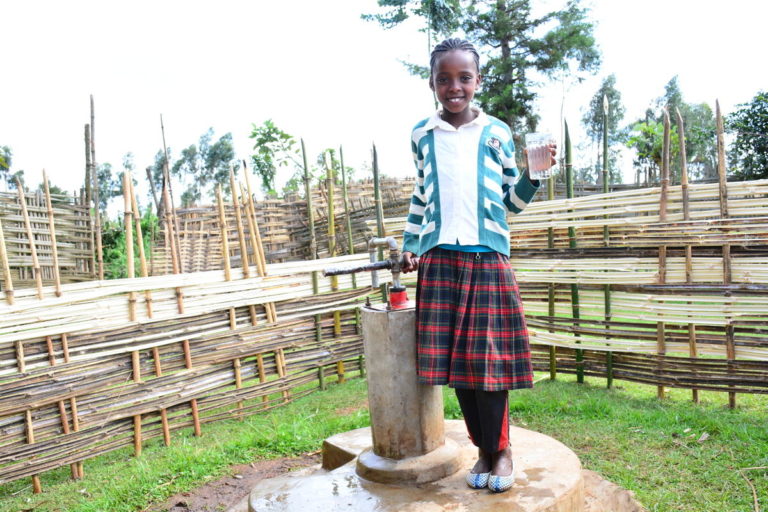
(470, 325)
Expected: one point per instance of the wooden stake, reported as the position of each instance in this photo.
(692, 349)
(140, 243)
(192, 402)
(128, 225)
(224, 235)
(575, 310)
(31, 236)
(136, 361)
(730, 345)
(51, 224)
(96, 199)
(332, 235)
(239, 224)
(174, 250)
(36, 487)
(661, 347)
(6, 267)
(606, 243)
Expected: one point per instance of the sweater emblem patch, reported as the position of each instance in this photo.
(494, 143)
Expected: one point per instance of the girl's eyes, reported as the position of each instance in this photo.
(465, 79)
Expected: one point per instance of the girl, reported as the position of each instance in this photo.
(470, 326)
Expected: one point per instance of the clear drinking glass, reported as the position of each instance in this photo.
(539, 156)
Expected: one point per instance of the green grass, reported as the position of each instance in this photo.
(649, 446)
(119, 482)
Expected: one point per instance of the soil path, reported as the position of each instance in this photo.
(221, 494)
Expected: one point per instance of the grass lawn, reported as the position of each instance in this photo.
(675, 455)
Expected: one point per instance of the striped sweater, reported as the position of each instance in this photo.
(467, 180)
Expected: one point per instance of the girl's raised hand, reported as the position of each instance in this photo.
(410, 262)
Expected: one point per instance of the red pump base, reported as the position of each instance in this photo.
(398, 299)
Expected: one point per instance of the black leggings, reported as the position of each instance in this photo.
(486, 414)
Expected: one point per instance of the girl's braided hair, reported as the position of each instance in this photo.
(453, 44)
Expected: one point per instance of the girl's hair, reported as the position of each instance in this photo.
(453, 44)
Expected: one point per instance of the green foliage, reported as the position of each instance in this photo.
(274, 149)
(113, 245)
(442, 16)
(6, 158)
(749, 151)
(647, 138)
(594, 122)
(699, 121)
(203, 164)
(109, 185)
(516, 43)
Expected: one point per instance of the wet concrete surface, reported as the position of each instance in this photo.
(548, 479)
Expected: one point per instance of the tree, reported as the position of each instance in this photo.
(203, 164)
(749, 151)
(515, 44)
(109, 186)
(699, 121)
(594, 121)
(647, 137)
(6, 158)
(274, 149)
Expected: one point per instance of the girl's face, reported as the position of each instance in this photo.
(455, 78)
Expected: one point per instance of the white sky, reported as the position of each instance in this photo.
(313, 67)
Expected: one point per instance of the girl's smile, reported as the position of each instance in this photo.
(455, 78)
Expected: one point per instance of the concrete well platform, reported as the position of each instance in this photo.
(548, 479)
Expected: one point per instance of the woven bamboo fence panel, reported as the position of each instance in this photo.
(73, 235)
(709, 302)
(283, 224)
(81, 379)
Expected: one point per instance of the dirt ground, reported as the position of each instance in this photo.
(219, 495)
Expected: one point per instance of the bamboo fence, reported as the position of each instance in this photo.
(234, 319)
(283, 224)
(67, 239)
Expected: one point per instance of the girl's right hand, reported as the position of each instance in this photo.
(410, 262)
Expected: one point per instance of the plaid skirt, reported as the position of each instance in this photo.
(470, 325)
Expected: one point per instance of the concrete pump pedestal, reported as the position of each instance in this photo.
(548, 478)
(407, 427)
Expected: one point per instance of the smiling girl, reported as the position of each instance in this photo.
(471, 332)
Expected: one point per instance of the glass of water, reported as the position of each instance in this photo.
(539, 155)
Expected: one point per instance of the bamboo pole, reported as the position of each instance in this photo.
(607, 243)
(89, 196)
(140, 243)
(551, 287)
(136, 363)
(252, 234)
(351, 242)
(332, 232)
(96, 198)
(52, 225)
(167, 184)
(269, 307)
(32, 246)
(572, 244)
(661, 347)
(730, 345)
(128, 225)
(345, 196)
(62, 408)
(171, 242)
(77, 472)
(380, 231)
(227, 267)
(313, 254)
(36, 487)
(239, 223)
(8, 288)
(692, 349)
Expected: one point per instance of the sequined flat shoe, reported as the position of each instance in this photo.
(478, 480)
(500, 483)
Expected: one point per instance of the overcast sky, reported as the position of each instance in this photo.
(315, 68)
